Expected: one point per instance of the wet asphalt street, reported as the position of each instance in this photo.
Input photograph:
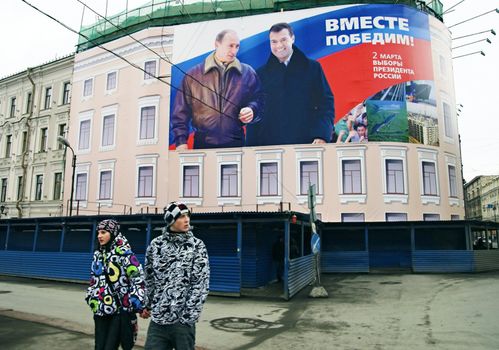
(364, 311)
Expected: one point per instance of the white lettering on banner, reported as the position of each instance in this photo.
(373, 38)
(389, 66)
(367, 22)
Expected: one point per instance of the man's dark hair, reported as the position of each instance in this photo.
(276, 28)
(361, 125)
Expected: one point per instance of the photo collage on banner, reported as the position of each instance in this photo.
(356, 73)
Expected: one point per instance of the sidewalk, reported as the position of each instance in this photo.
(381, 311)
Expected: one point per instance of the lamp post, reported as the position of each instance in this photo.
(66, 144)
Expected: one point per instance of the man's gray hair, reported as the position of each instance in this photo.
(221, 35)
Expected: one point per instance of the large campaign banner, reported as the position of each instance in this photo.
(357, 73)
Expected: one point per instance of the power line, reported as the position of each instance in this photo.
(124, 59)
(157, 54)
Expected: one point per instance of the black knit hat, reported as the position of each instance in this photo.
(173, 211)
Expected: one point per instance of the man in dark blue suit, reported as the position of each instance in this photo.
(299, 104)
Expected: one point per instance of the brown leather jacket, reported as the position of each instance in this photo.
(211, 98)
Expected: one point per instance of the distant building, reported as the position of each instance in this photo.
(482, 198)
(34, 111)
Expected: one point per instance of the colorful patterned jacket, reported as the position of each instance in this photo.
(177, 278)
(124, 273)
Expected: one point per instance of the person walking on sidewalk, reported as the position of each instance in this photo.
(117, 289)
(177, 282)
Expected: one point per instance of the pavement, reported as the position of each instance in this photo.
(363, 311)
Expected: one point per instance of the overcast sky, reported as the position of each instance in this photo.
(28, 38)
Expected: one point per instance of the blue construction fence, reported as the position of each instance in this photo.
(241, 247)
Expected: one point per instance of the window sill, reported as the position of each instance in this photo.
(430, 199)
(229, 201)
(352, 198)
(268, 199)
(401, 198)
(303, 198)
(145, 200)
(454, 201)
(192, 200)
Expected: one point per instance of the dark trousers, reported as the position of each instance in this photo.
(200, 142)
(111, 331)
(171, 336)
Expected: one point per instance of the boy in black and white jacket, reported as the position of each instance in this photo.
(177, 282)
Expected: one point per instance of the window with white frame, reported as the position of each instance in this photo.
(309, 175)
(88, 87)
(431, 217)
(12, 112)
(228, 180)
(24, 141)
(57, 186)
(3, 194)
(61, 131)
(190, 180)
(111, 81)
(429, 179)
(108, 122)
(20, 185)
(395, 216)
(452, 181)
(84, 135)
(105, 185)
(269, 179)
(148, 120)
(43, 139)
(447, 120)
(145, 185)
(454, 217)
(145, 181)
(352, 217)
(38, 187)
(48, 98)
(66, 93)
(81, 187)
(351, 175)
(394, 176)
(8, 146)
(150, 68)
(29, 102)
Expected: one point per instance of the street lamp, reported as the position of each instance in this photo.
(66, 144)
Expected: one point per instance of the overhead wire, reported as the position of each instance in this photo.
(164, 58)
(124, 59)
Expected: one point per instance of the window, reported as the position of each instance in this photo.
(309, 175)
(191, 181)
(43, 139)
(452, 181)
(29, 102)
(3, 194)
(108, 130)
(454, 217)
(352, 181)
(147, 121)
(84, 138)
(81, 187)
(8, 146)
(396, 217)
(229, 180)
(61, 131)
(24, 141)
(429, 179)
(150, 70)
(105, 184)
(394, 176)
(431, 217)
(57, 186)
(352, 217)
(19, 188)
(145, 183)
(12, 107)
(38, 187)
(88, 87)
(111, 81)
(268, 179)
(447, 120)
(66, 88)
(48, 98)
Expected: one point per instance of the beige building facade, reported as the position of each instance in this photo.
(34, 111)
(120, 133)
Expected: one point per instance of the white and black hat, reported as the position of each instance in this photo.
(173, 211)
